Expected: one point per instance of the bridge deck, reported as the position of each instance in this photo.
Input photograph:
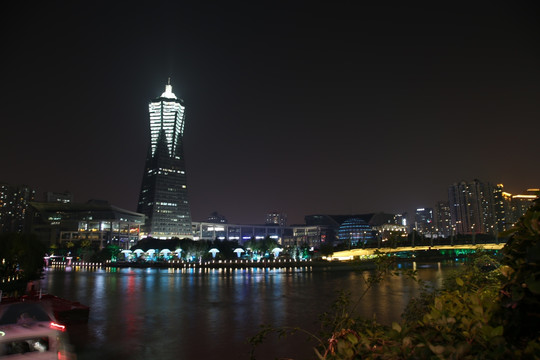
(355, 253)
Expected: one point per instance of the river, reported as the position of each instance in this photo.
(209, 313)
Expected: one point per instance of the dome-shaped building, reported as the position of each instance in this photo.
(356, 232)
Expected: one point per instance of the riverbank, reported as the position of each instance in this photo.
(319, 264)
(218, 264)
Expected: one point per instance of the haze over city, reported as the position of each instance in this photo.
(297, 107)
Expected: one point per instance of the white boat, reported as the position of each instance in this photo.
(29, 331)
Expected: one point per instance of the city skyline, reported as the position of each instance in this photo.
(302, 110)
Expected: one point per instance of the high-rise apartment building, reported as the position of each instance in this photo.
(14, 202)
(501, 208)
(163, 198)
(443, 219)
(471, 207)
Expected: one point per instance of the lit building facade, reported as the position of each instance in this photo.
(164, 197)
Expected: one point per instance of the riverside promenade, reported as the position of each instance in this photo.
(337, 259)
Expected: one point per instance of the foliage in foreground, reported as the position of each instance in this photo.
(486, 310)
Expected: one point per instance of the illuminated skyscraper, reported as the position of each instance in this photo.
(163, 198)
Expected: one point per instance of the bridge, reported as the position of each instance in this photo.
(368, 253)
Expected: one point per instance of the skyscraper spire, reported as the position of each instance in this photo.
(168, 91)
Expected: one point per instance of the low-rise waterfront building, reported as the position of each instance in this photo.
(97, 221)
(311, 236)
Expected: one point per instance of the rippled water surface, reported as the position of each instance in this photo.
(209, 313)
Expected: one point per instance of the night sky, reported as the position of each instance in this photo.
(299, 107)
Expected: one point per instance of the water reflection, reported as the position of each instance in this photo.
(166, 313)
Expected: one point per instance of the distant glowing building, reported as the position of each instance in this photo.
(356, 232)
(163, 198)
(423, 220)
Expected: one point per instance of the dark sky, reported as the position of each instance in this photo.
(300, 107)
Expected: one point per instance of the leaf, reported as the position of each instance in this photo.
(460, 282)
(478, 309)
(506, 270)
(533, 285)
(407, 341)
(396, 327)
(498, 331)
(352, 339)
(437, 349)
(438, 304)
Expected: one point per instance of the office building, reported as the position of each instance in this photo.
(164, 197)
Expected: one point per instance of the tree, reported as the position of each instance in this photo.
(521, 265)
(22, 259)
